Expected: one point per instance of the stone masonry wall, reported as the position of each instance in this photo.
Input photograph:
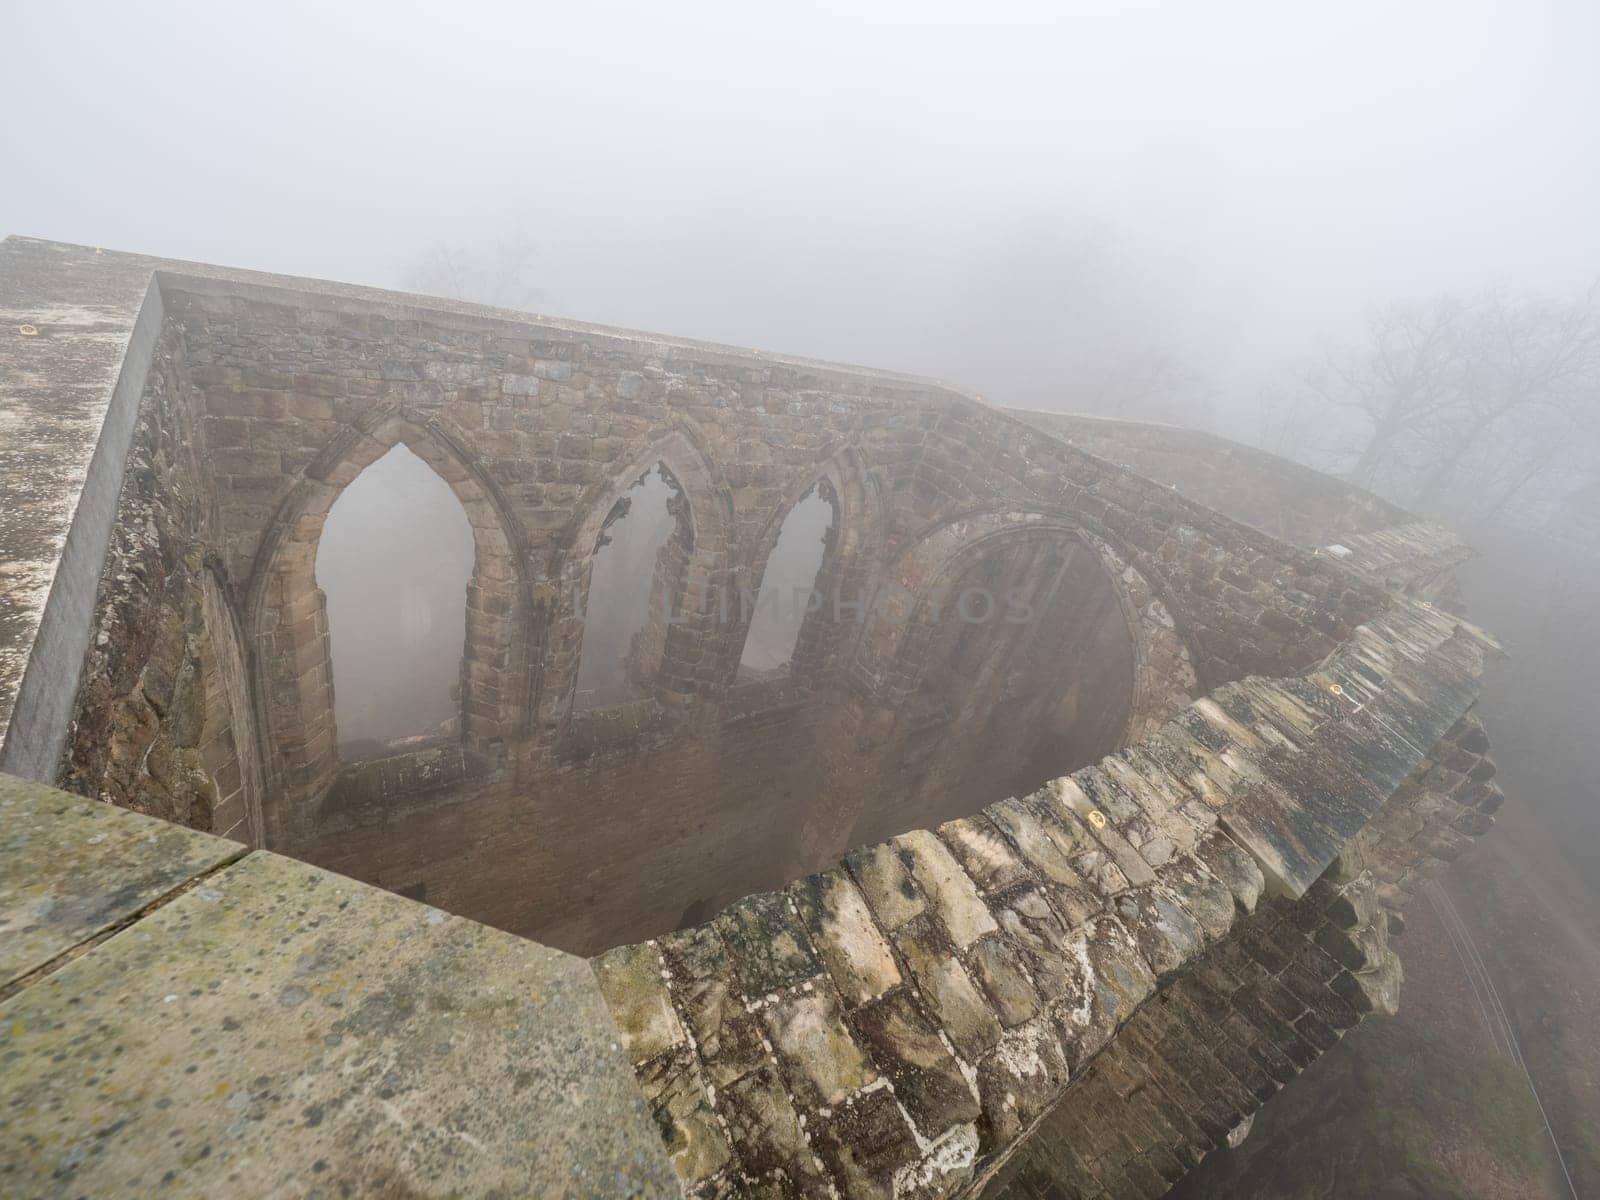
(164, 723)
(1192, 1066)
(1074, 990)
(1268, 492)
(537, 426)
(900, 1025)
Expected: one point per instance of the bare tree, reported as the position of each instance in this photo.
(1397, 383)
(1468, 406)
(501, 274)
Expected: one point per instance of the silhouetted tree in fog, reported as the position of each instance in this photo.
(501, 274)
(1464, 406)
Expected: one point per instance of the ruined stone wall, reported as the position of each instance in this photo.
(1140, 948)
(903, 1024)
(1244, 602)
(689, 794)
(164, 722)
(1190, 1068)
(695, 790)
(1268, 492)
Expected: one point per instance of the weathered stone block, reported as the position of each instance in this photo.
(766, 1129)
(768, 943)
(1166, 934)
(907, 1047)
(864, 1144)
(1020, 1080)
(842, 930)
(632, 981)
(999, 967)
(950, 892)
(727, 1038)
(884, 873)
(685, 1116)
(948, 990)
(820, 1060)
(985, 853)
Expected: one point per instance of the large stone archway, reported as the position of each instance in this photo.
(286, 616)
(898, 627)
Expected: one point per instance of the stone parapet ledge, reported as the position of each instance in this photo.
(899, 1025)
(1189, 1069)
(179, 1016)
(1414, 558)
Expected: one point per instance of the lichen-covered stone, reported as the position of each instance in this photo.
(766, 1129)
(305, 1033)
(950, 891)
(710, 1001)
(1020, 1080)
(1167, 935)
(1046, 942)
(1120, 980)
(768, 943)
(72, 868)
(1203, 896)
(865, 1143)
(999, 967)
(631, 980)
(1234, 867)
(855, 953)
(907, 1047)
(1047, 845)
(686, 1118)
(884, 873)
(1065, 794)
(985, 854)
(948, 990)
(943, 1170)
(820, 1061)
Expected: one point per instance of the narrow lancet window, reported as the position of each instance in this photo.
(394, 561)
(789, 591)
(634, 585)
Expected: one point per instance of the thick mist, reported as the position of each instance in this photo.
(1051, 204)
(1360, 235)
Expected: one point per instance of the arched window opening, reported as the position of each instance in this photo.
(394, 561)
(1028, 675)
(634, 587)
(789, 591)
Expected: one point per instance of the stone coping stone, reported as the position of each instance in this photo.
(72, 869)
(278, 1030)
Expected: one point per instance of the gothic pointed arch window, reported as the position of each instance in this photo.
(790, 594)
(636, 582)
(394, 562)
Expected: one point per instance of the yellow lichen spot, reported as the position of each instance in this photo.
(17, 1028)
(1097, 818)
(221, 1090)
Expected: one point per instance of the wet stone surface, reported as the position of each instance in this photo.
(71, 869)
(282, 1030)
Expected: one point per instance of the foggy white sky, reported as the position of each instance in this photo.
(904, 185)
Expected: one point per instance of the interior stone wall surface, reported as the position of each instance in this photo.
(876, 944)
(164, 722)
(590, 828)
